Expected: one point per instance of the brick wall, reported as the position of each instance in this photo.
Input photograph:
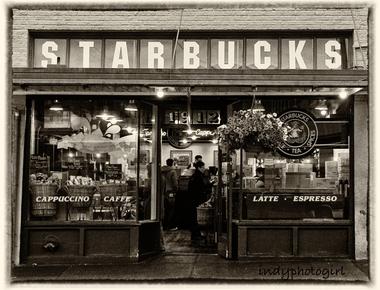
(276, 18)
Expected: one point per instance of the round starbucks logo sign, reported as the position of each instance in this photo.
(302, 134)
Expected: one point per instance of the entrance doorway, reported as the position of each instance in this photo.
(179, 222)
(189, 134)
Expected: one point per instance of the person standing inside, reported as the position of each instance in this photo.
(170, 188)
(197, 194)
(260, 178)
(196, 159)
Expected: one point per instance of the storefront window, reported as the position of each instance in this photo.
(84, 159)
(299, 182)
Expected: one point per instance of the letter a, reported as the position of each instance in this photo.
(120, 48)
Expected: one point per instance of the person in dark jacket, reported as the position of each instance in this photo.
(198, 195)
(260, 178)
(169, 190)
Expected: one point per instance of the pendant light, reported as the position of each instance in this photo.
(131, 107)
(258, 107)
(256, 104)
(105, 114)
(57, 106)
(321, 106)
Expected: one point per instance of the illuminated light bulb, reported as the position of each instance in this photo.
(56, 106)
(71, 154)
(184, 141)
(343, 95)
(107, 162)
(215, 141)
(324, 113)
(98, 155)
(194, 137)
(160, 94)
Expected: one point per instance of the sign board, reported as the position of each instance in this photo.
(77, 166)
(113, 171)
(272, 205)
(57, 119)
(302, 134)
(211, 117)
(39, 164)
(261, 53)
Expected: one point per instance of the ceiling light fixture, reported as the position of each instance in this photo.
(343, 95)
(159, 92)
(56, 106)
(131, 107)
(105, 115)
(321, 106)
(258, 107)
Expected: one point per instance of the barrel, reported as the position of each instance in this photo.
(43, 209)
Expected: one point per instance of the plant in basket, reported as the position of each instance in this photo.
(248, 129)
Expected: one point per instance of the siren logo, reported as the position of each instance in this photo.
(302, 135)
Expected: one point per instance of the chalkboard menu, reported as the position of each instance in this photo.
(39, 164)
(113, 171)
(77, 166)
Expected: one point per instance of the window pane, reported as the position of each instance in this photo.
(226, 54)
(85, 53)
(329, 54)
(191, 54)
(262, 53)
(121, 53)
(148, 162)
(49, 52)
(297, 54)
(309, 188)
(156, 53)
(83, 160)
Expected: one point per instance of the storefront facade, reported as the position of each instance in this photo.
(89, 133)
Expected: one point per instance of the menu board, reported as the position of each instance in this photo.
(113, 171)
(53, 119)
(77, 166)
(39, 164)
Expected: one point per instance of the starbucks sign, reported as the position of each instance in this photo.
(302, 135)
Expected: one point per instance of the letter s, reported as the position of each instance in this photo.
(335, 60)
(46, 46)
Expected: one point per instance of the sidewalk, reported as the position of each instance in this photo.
(198, 268)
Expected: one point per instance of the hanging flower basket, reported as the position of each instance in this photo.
(252, 131)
